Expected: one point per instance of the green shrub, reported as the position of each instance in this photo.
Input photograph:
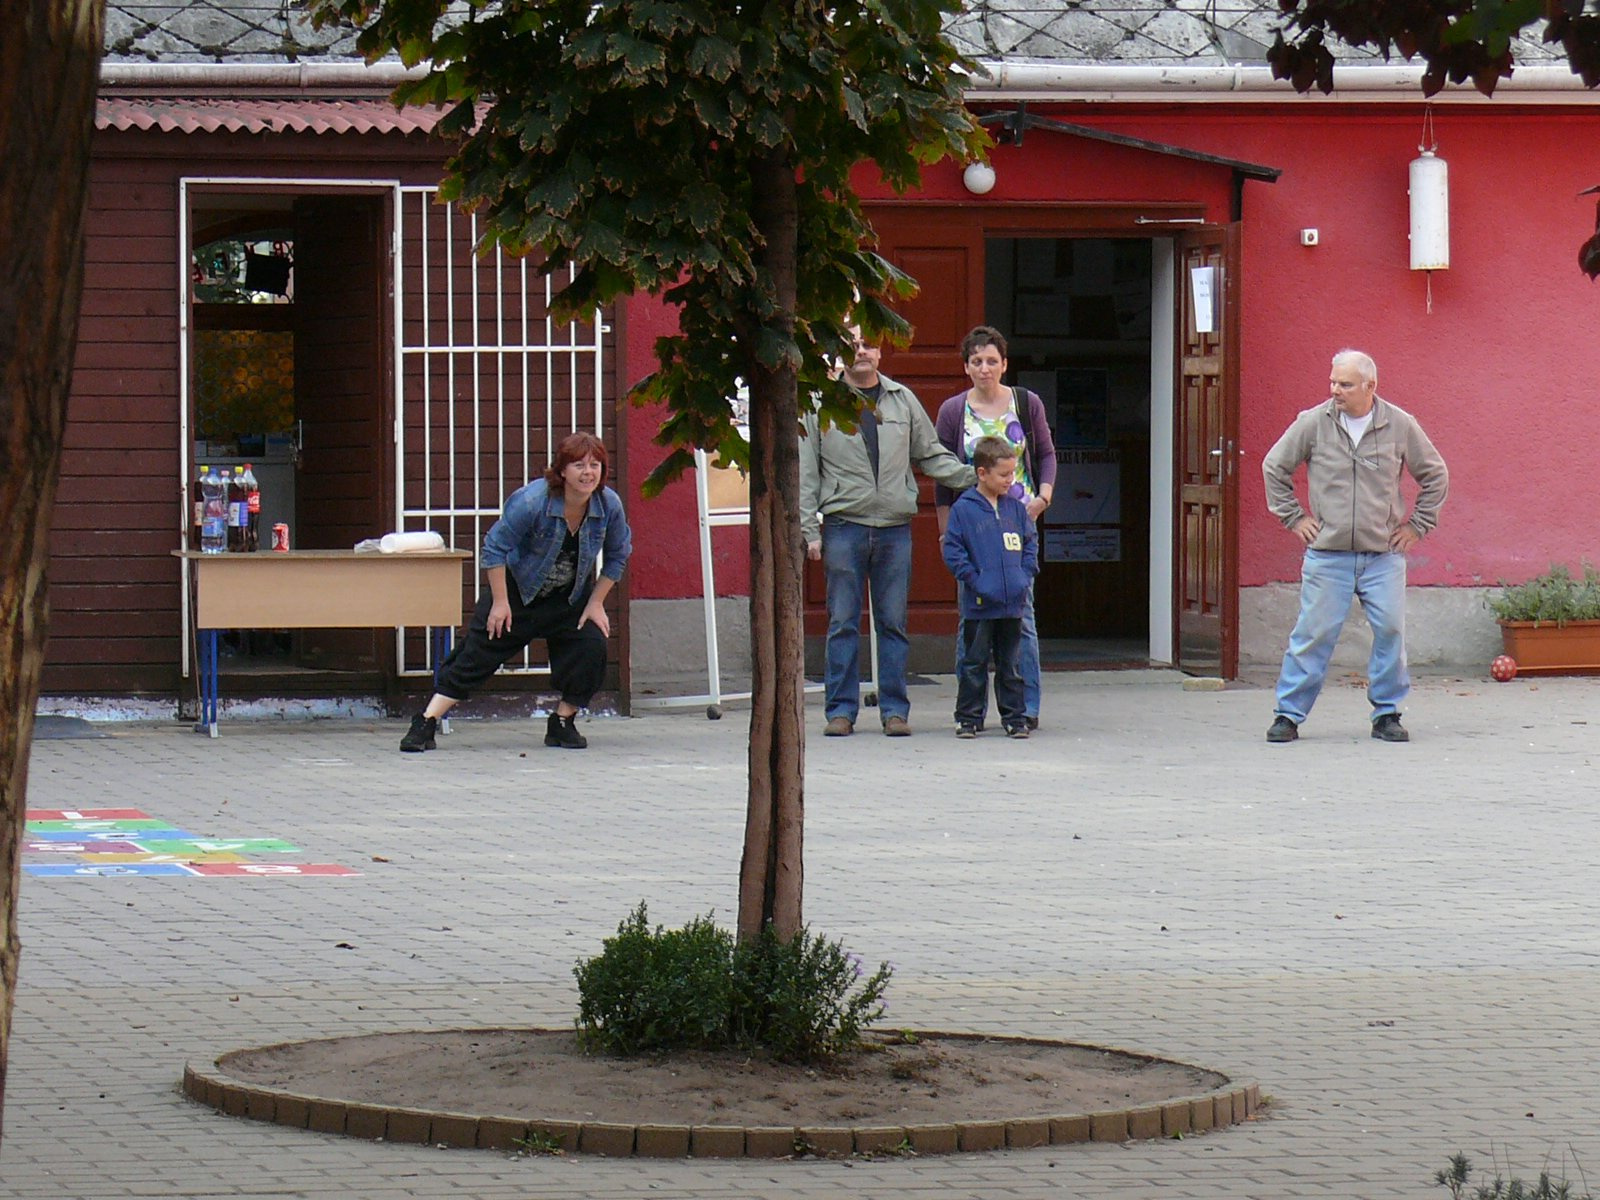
(1557, 596)
(804, 999)
(692, 988)
(667, 989)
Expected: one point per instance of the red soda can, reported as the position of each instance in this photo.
(280, 537)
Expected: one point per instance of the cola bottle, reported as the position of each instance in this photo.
(238, 510)
(214, 521)
(199, 507)
(252, 512)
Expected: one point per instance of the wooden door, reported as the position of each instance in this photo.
(1205, 575)
(342, 384)
(946, 258)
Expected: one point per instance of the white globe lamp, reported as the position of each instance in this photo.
(978, 178)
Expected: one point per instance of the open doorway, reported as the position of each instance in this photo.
(289, 379)
(1078, 316)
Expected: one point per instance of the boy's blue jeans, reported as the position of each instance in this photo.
(1027, 660)
(1328, 581)
(999, 639)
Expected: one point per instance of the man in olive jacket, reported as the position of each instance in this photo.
(862, 486)
(1356, 533)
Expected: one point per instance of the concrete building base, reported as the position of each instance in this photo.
(1445, 627)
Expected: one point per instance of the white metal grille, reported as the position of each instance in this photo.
(488, 384)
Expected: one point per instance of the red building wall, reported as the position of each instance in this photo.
(1503, 373)
(666, 547)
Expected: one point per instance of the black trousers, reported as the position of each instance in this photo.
(577, 656)
(999, 639)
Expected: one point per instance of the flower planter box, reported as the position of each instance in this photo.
(1549, 649)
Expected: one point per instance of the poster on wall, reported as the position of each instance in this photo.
(1077, 545)
(1088, 490)
(1083, 404)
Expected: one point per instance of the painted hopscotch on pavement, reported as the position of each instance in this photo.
(100, 842)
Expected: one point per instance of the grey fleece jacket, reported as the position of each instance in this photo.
(1354, 490)
(836, 474)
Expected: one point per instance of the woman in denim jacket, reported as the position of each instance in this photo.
(540, 560)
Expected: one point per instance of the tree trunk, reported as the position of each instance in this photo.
(771, 872)
(49, 70)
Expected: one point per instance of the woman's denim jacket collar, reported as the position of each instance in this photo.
(527, 538)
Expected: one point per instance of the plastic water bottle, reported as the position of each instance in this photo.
(252, 523)
(214, 522)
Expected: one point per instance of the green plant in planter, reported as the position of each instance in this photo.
(1457, 1177)
(805, 1000)
(1554, 597)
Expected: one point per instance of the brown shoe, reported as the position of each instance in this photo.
(896, 727)
(838, 727)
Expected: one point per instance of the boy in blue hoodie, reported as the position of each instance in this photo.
(992, 547)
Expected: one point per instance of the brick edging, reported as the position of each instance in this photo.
(1230, 1104)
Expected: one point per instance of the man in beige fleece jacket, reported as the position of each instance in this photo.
(1356, 446)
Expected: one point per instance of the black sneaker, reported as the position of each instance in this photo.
(1387, 728)
(966, 730)
(560, 731)
(1032, 723)
(1019, 730)
(1283, 730)
(420, 736)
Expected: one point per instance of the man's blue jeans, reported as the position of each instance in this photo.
(1328, 581)
(854, 556)
(1027, 658)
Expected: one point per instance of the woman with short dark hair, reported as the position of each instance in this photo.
(549, 561)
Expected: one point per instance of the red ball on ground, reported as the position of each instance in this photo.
(1504, 668)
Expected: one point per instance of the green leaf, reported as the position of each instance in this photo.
(413, 50)
(639, 57)
(702, 210)
(669, 469)
(713, 112)
(587, 48)
(776, 350)
(855, 108)
(714, 58)
(767, 129)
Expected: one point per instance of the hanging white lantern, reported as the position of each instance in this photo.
(1430, 213)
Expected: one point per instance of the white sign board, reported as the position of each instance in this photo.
(1202, 290)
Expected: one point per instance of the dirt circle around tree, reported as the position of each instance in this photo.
(911, 1092)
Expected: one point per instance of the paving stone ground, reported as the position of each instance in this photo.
(1398, 942)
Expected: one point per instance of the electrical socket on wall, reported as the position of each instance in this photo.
(1308, 237)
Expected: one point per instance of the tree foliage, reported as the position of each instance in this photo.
(620, 136)
(702, 150)
(1460, 40)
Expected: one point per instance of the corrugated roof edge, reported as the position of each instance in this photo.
(189, 114)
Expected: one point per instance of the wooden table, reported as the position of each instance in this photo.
(320, 589)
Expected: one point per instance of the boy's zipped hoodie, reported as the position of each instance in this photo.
(993, 553)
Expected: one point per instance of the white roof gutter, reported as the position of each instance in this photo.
(1378, 83)
(1003, 79)
(311, 76)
